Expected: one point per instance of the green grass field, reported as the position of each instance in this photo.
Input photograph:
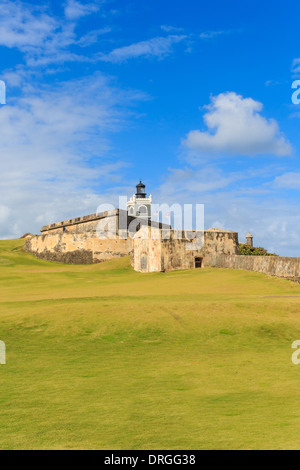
(102, 357)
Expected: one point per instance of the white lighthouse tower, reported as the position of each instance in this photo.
(139, 205)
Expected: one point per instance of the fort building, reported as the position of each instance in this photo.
(152, 246)
(160, 251)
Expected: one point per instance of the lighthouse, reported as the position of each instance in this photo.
(139, 205)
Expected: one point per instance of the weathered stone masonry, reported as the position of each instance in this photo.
(152, 251)
(75, 241)
(116, 233)
(78, 241)
(288, 268)
(152, 246)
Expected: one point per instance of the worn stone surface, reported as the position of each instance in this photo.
(88, 223)
(77, 248)
(76, 241)
(89, 239)
(273, 265)
(152, 252)
(113, 221)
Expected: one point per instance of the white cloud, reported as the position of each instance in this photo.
(171, 29)
(274, 221)
(45, 39)
(272, 83)
(296, 67)
(42, 37)
(54, 149)
(211, 34)
(155, 47)
(92, 36)
(33, 31)
(290, 180)
(24, 26)
(210, 178)
(75, 10)
(236, 127)
(14, 77)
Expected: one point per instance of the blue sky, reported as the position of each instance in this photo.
(193, 97)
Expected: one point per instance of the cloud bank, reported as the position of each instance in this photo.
(237, 127)
(55, 147)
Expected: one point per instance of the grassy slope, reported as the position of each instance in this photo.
(103, 357)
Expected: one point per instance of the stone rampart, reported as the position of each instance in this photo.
(279, 266)
(77, 248)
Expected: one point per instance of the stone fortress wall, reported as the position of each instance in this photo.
(75, 241)
(81, 241)
(279, 266)
(157, 251)
(78, 241)
(77, 248)
(152, 246)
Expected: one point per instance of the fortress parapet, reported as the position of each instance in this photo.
(87, 220)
